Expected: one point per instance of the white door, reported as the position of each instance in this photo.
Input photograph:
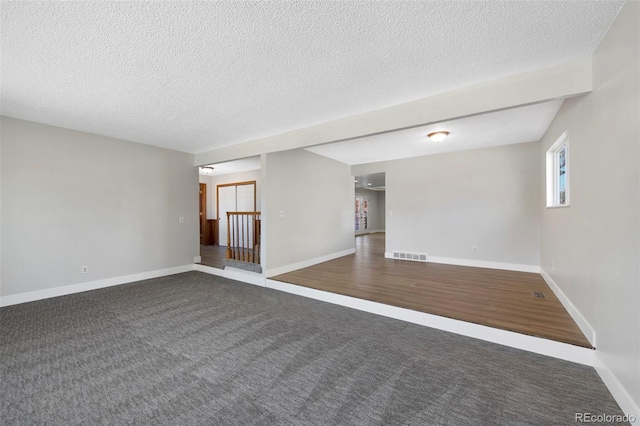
(226, 203)
(245, 197)
(245, 203)
(234, 198)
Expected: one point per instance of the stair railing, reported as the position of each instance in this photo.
(243, 236)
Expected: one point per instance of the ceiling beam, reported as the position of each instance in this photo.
(569, 79)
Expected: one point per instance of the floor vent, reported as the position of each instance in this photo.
(415, 257)
(538, 295)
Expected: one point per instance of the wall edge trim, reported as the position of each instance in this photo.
(233, 274)
(619, 393)
(33, 296)
(577, 316)
(309, 262)
(478, 263)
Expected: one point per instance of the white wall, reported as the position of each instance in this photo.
(71, 199)
(317, 195)
(444, 205)
(591, 249)
(382, 210)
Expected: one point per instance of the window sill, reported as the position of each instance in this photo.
(558, 207)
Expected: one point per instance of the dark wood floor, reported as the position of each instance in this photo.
(490, 297)
(213, 256)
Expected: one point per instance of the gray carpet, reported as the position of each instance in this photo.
(194, 349)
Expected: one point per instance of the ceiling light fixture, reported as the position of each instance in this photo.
(438, 137)
(207, 169)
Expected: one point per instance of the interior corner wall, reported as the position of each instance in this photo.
(591, 248)
(73, 199)
(444, 205)
(316, 196)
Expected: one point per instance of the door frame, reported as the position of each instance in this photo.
(203, 212)
(246, 182)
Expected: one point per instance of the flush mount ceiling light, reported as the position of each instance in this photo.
(206, 169)
(438, 137)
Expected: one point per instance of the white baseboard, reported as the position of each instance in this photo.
(306, 263)
(233, 274)
(31, 296)
(622, 397)
(369, 231)
(537, 345)
(478, 263)
(580, 320)
(485, 264)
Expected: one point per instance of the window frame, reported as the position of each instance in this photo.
(553, 172)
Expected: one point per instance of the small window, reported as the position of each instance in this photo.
(558, 173)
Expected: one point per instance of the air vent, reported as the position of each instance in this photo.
(538, 295)
(415, 257)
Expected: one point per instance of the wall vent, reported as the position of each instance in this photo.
(415, 257)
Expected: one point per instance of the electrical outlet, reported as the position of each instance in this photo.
(181, 219)
(474, 249)
(85, 269)
(553, 266)
(282, 213)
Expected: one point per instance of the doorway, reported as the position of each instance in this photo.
(370, 206)
(203, 212)
(207, 227)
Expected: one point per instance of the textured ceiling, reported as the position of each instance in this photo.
(194, 76)
(516, 125)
